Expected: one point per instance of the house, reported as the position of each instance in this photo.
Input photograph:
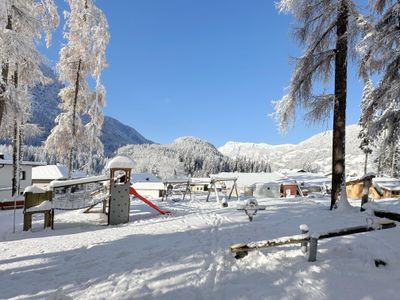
(149, 189)
(199, 184)
(267, 190)
(382, 187)
(6, 174)
(289, 183)
(310, 182)
(43, 175)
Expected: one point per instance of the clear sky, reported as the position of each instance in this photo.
(203, 68)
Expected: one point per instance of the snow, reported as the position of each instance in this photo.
(58, 183)
(186, 255)
(120, 162)
(144, 177)
(390, 184)
(45, 205)
(314, 153)
(53, 172)
(34, 189)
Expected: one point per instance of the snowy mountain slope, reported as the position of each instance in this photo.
(314, 153)
(187, 156)
(45, 109)
(184, 156)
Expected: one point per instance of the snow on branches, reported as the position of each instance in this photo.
(81, 58)
(22, 24)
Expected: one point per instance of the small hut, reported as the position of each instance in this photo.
(382, 187)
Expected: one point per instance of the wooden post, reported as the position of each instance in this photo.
(209, 190)
(367, 182)
(304, 230)
(312, 255)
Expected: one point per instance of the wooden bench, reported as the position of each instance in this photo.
(38, 203)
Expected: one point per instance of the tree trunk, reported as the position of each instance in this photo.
(393, 161)
(15, 143)
(339, 115)
(3, 88)
(365, 163)
(4, 75)
(71, 151)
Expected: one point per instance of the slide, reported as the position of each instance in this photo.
(134, 193)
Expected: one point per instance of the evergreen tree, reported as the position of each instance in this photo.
(327, 29)
(381, 56)
(365, 120)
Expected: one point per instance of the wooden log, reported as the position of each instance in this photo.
(242, 250)
(388, 215)
(294, 239)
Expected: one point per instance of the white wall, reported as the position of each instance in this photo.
(6, 177)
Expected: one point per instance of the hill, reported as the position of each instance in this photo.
(186, 156)
(312, 154)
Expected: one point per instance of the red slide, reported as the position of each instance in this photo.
(133, 192)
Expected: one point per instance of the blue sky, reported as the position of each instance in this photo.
(203, 68)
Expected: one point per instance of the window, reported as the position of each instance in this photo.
(22, 175)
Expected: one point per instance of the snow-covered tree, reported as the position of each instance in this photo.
(365, 121)
(22, 25)
(381, 56)
(327, 29)
(82, 57)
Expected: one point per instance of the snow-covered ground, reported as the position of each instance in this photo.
(186, 255)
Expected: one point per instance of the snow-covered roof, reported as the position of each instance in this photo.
(120, 162)
(247, 179)
(60, 183)
(148, 185)
(307, 178)
(387, 183)
(200, 180)
(8, 161)
(53, 172)
(144, 177)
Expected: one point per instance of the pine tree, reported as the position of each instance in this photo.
(327, 29)
(365, 121)
(380, 56)
(83, 56)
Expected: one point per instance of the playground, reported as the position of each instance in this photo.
(186, 254)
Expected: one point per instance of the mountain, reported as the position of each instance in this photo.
(186, 156)
(313, 154)
(45, 109)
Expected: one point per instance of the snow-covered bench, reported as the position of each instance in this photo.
(38, 201)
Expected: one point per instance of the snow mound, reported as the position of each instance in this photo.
(34, 189)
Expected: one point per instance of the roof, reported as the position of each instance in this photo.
(244, 179)
(62, 183)
(144, 177)
(53, 172)
(24, 163)
(120, 162)
(387, 183)
(148, 186)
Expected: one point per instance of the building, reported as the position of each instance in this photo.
(149, 189)
(6, 174)
(382, 187)
(43, 175)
